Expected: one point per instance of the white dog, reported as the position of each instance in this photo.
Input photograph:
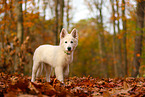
(58, 57)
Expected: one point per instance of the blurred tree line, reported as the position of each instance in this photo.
(100, 53)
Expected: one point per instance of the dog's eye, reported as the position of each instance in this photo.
(71, 42)
(65, 41)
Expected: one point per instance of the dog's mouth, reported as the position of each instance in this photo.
(68, 52)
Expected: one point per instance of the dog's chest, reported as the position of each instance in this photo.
(66, 60)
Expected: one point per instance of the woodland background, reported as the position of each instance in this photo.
(100, 53)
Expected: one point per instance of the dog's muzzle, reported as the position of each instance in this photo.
(69, 48)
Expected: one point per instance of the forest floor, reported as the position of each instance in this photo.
(18, 85)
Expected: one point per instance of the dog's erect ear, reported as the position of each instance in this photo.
(74, 33)
(63, 33)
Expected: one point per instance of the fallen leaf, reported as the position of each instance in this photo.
(106, 94)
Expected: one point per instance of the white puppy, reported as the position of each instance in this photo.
(58, 57)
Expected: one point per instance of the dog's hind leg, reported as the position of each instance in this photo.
(34, 70)
(48, 71)
(40, 69)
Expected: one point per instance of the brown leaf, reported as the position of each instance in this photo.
(125, 86)
(106, 94)
(48, 89)
(33, 90)
(37, 85)
(21, 84)
(11, 94)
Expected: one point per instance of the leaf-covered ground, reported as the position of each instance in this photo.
(20, 85)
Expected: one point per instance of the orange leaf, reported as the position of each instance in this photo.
(138, 55)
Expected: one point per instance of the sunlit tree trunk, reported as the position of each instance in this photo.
(138, 38)
(124, 36)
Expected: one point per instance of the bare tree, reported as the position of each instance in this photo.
(138, 38)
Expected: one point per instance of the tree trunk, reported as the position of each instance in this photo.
(61, 13)
(138, 38)
(124, 37)
(119, 54)
(56, 22)
(114, 40)
(44, 9)
(25, 7)
(102, 43)
(2, 38)
(6, 26)
(3, 31)
(67, 15)
(19, 15)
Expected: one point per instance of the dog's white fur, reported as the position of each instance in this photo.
(58, 57)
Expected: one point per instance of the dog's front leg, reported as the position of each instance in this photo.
(66, 71)
(59, 73)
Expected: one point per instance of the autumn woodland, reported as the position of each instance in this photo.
(111, 51)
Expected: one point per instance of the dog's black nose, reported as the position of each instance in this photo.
(69, 48)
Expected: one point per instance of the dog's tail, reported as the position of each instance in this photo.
(39, 71)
